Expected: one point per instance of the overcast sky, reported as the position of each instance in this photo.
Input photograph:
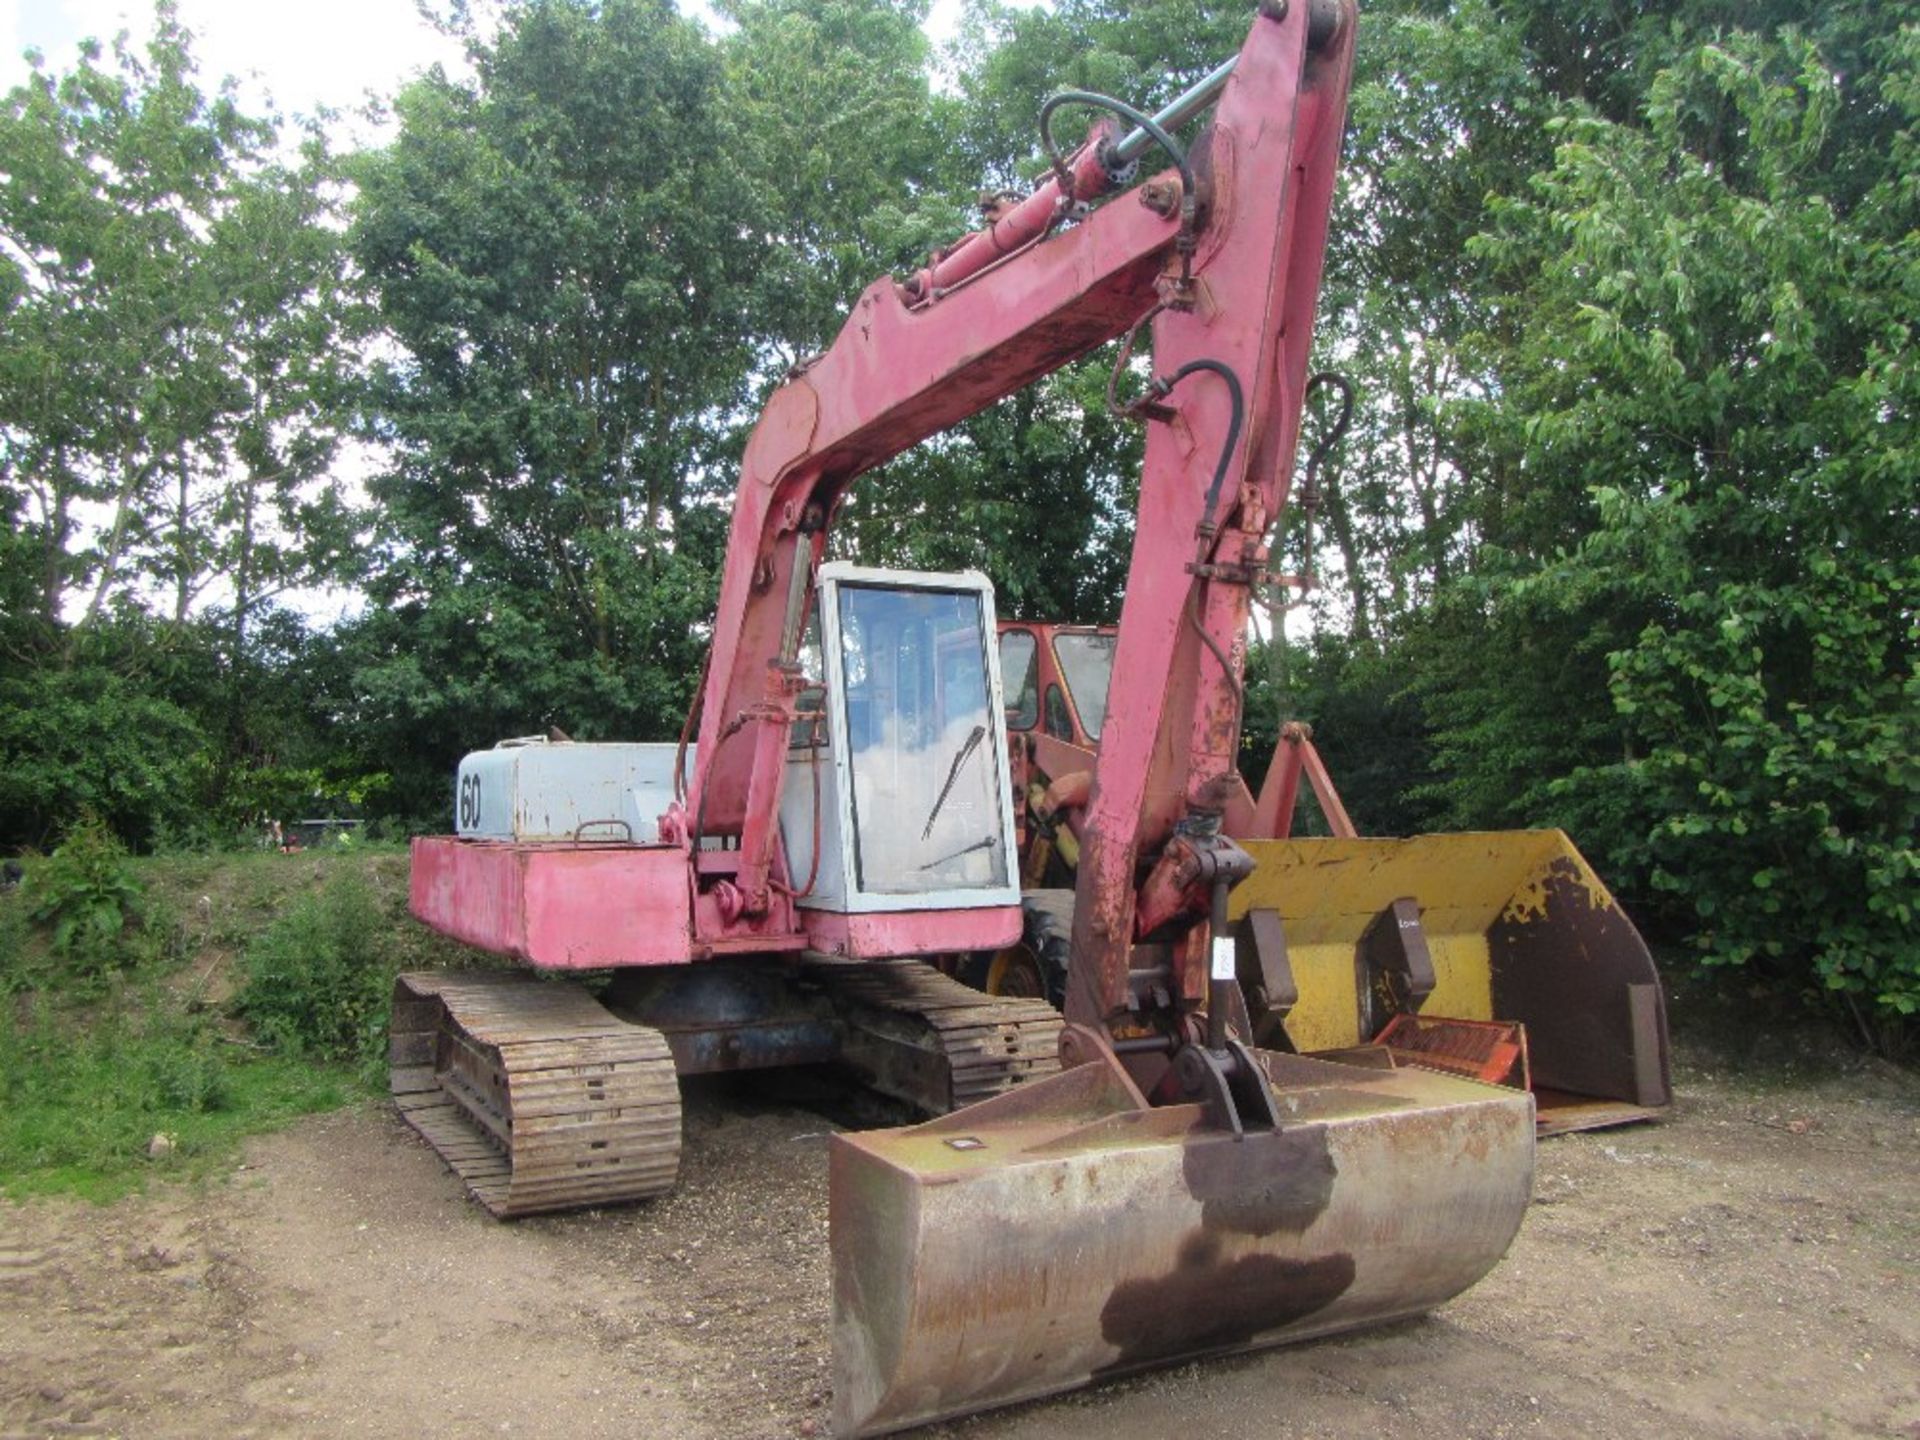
(307, 55)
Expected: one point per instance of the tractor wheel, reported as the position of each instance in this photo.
(1045, 942)
(1015, 973)
(1035, 966)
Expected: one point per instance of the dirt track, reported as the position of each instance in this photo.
(1750, 1269)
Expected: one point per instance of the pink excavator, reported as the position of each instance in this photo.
(1130, 1183)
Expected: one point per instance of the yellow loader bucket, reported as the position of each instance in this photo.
(1516, 927)
(1066, 1231)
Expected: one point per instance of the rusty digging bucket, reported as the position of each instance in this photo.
(1066, 1231)
(1513, 926)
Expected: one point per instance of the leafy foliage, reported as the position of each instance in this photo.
(88, 897)
(1622, 538)
(319, 978)
(560, 248)
(171, 298)
(1717, 351)
(172, 392)
(88, 738)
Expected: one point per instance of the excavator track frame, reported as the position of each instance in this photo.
(535, 1094)
(903, 1018)
(541, 1099)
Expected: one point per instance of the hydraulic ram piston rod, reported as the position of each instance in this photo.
(1184, 107)
(1035, 216)
(1322, 24)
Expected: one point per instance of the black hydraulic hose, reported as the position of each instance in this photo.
(1238, 418)
(1235, 421)
(1336, 432)
(1126, 112)
(1310, 486)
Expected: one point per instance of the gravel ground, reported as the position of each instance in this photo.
(1749, 1268)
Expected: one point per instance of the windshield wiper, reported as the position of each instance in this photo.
(985, 842)
(953, 774)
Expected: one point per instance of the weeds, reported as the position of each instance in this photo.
(319, 979)
(81, 1097)
(87, 895)
(236, 994)
(15, 954)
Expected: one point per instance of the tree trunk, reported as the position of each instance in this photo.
(243, 568)
(54, 578)
(1341, 523)
(116, 541)
(182, 544)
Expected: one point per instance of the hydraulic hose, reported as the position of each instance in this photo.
(1139, 118)
(1236, 420)
(1335, 433)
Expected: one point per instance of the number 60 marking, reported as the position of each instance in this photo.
(469, 802)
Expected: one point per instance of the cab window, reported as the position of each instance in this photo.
(1059, 720)
(1087, 662)
(1020, 678)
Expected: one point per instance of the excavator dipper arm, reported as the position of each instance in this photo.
(1223, 254)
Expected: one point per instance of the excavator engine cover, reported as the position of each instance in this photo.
(1067, 1231)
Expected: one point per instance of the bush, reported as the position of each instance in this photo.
(89, 897)
(1712, 363)
(14, 963)
(317, 980)
(88, 739)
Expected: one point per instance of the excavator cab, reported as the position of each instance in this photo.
(897, 799)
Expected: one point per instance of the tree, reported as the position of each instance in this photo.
(267, 514)
(160, 274)
(1711, 343)
(172, 316)
(594, 258)
(561, 249)
(841, 147)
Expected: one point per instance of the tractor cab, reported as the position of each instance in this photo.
(1058, 676)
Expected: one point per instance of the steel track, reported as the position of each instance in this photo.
(533, 1092)
(923, 1037)
(542, 1099)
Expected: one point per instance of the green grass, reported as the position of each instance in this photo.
(249, 992)
(82, 1096)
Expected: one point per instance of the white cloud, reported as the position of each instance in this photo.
(306, 56)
